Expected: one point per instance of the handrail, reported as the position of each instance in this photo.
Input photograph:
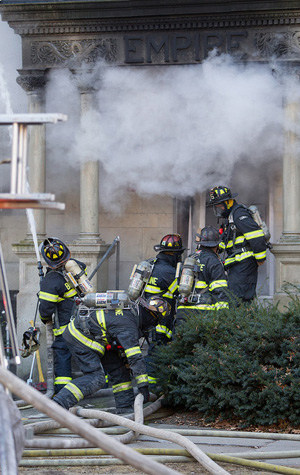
(116, 242)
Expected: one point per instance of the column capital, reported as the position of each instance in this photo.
(32, 81)
(88, 81)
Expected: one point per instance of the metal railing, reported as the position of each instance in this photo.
(115, 243)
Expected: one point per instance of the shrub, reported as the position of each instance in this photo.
(240, 362)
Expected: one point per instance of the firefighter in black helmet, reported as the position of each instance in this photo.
(56, 300)
(209, 289)
(242, 239)
(163, 282)
(107, 341)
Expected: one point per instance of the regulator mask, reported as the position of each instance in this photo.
(221, 210)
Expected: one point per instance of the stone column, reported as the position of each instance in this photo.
(287, 250)
(34, 85)
(89, 247)
(33, 82)
(89, 182)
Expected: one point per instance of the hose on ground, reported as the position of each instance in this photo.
(177, 456)
(197, 453)
(101, 440)
(254, 455)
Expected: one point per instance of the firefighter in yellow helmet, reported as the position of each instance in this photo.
(56, 301)
(242, 239)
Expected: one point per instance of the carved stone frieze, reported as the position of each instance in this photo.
(51, 53)
(31, 83)
(279, 45)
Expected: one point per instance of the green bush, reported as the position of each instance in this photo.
(242, 362)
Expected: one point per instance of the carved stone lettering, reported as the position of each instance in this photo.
(184, 47)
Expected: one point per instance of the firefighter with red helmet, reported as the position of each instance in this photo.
(163, 281)
(243, 240)
(107, 341)
(56, 302)
(207, 290)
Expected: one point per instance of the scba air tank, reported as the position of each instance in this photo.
(187, 278)
(139, 276)
(112, 299)
(78, 277)
(261, 223)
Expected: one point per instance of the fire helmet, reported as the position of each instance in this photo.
(170, 242)
(218, 194)
(55, 252)
(156, 305)
(209, 237)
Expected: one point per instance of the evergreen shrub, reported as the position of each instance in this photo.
(240, 362)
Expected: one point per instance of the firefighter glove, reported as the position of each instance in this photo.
(144, 390)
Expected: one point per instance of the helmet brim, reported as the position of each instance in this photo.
(158, 248)
(208, 243)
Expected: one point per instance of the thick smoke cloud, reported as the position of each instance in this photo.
(173, 130)
(179, 130)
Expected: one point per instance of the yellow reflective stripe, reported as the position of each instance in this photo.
(173, 286)
(59, 331)
(238, 257)
(201, 284)
(202, 306)
(222, 245)
(164, 330)
(101, 320)
(70, 293)
(169, 295)
(216, 284)
(94, 345)
(75, 391)
(254, 234)
(219, 305)
(62, 380)
(152, 289)
(48, 297)
(261, 255)
(132, 351)
(239, 240)
(142, 378)
(152, 380)
(125, 386)
(106, 378)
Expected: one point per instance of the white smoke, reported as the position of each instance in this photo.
(179, 130)
(12, 97)
(175, 130)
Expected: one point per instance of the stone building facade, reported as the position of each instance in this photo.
(134, 33)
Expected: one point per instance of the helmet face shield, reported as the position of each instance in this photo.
(220, 210)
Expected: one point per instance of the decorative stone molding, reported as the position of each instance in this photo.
(52, 53)
(198, 22)
(280, 45)
(31, 83)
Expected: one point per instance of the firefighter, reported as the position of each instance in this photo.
(243, 241)
(209, 288)
(163, 282)
(56, 302)
(108, 341)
